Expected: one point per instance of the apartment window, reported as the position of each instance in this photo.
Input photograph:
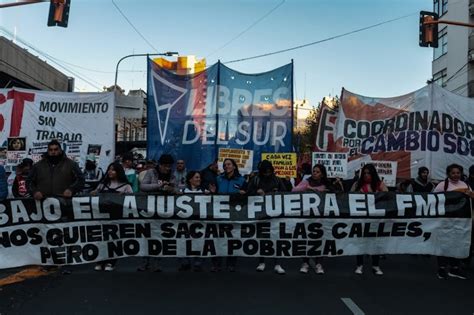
(444, 7)
(436, 6)
(440, 77)
(442, 44)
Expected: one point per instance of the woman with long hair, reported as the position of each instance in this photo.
(368, 182)
(453, 182)
(114, 182)
(317, 182)
(231, 182)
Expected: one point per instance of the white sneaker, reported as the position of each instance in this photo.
(359, 270)
(319, 269)
(377, 271)
(261, 267)
(304, 268)
(98, 267)
(279, 270)
(109, 267)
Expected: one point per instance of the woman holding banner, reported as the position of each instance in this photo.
(266, 182)
(317, 182)
(453, 182)
(369, 182)
(231, 182)
(115, 182)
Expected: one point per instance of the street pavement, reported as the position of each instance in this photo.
(409, 286)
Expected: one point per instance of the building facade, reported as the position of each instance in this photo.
(453, 60)
(19, 68)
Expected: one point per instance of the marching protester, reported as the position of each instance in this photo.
(317, 182)
(368, 182)
(92, 175)
(130, 172)
(3, 184)
(266, 182)
(452, 182)
(19, 188)
(470, 178)
(193, 186)
(114, 182)
(149, 165)
(209, 176)
(55, 175)
(231, 182)
(160, 179)
(180, 174)
(422, 182)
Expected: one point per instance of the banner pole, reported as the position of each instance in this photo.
(218, 79)
(292, 105)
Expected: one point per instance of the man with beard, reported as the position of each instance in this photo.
(55, 175)
(421, 183)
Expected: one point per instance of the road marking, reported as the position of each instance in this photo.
(352, 306)
(28, 273)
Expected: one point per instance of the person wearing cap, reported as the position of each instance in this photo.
(130, 172)
(92, 174)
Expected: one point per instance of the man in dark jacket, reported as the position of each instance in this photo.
(422, 182)
(55, 175)
(209, 176)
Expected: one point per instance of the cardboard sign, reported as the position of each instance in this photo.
(243, 158)
(387, 171)
(335, 163)
(284, 163)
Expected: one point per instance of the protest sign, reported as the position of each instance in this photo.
(86, 229)
(335, 163)
(387, 171)
(430, 127)
(284, 163)
(33, 118)
(243, 158)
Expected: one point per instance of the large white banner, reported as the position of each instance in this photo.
(82, 122)
(430, 127)
(58, 231)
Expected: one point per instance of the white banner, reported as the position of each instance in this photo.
(75, 119)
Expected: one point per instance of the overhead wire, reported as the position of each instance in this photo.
(133, 26)
(322, 40)
(247, 28)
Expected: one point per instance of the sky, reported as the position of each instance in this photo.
(381, 62)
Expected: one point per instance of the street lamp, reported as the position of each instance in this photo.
(168, 53)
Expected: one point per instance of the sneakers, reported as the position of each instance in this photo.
(98, 267)
(261, 267)
(319, 269)
(377, 271)
(442, 274)
(304, 268)
(359, 270)
(279, 270)
(109, 267)
(457, 273)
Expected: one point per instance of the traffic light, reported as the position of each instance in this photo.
(428, 32)
(59, 12)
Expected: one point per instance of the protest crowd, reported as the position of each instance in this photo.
(57, 175)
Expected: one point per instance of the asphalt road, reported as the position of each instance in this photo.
(409, 286)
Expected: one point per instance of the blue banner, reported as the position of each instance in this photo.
(192, 116)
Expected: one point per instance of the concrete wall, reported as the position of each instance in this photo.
(20, 64)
